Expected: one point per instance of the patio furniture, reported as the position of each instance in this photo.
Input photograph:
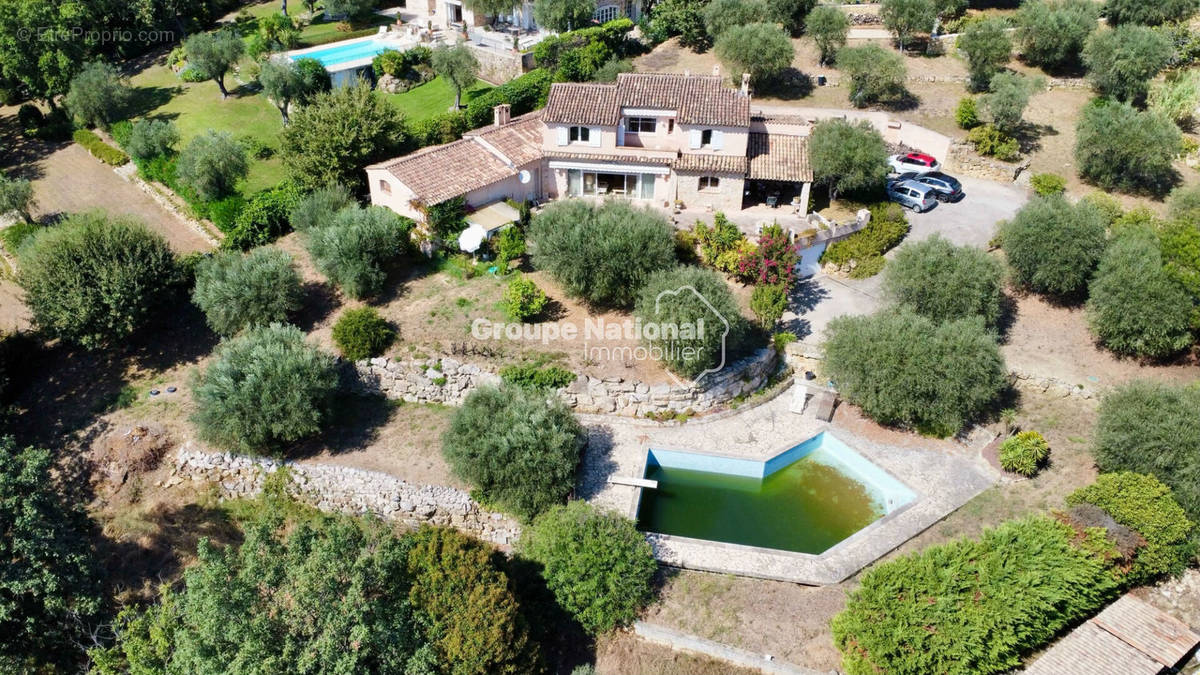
(773, 201)
(824, 402)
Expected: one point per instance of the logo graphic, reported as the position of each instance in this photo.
(722, 322)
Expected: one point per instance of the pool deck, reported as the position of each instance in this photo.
(942, 480)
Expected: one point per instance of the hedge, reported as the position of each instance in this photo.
(525, 94)
(537, 377)
(99, 149)
(887, 228)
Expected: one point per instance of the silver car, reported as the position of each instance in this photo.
(913, 195)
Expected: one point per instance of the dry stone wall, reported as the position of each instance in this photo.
(448, 381)
(341, 489)
(963, 159)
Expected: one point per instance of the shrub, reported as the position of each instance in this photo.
(597, 564)
(361, 333)
(525, 94)
(238, 291)
(99, 149)
(1052, 33)
(447, 219)
(14, 236)
(442, 128)
(537, 377)
(224, 212)
(264, 218)
(989, 141)
(772, 261)
(317, 208)
(518, 447)
(151, 138)
(1142, 503)
(720, 245)
(974, 606)
(264, 389)
(966, 114)
(30, 117)
(684, 297)
(876, 74)
(1108, 206)
(603, 253)
(95, 280)
(355, 248)
(1120, 148)
(98, 94)
(905, 369)
(867, 267)
(768, 302)
(1048, 184)
(1024, 453)
(1121, 62)
(945, 282)
(16, 196)
(467, 607)
(848, 156)
(1148, 13)
(887, 229)
(509, 245)
(212, 164)
(1053, 247)
(1176, 97)
(1135, 307)
(523, 299)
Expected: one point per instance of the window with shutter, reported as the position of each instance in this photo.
(562, 136)
(696, 139)
(718, 140)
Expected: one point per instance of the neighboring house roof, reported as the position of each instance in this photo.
(708, 163)
(1130, 637)
(697, 100)
(520, 140)
(778, 157)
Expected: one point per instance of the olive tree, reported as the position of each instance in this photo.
(1121, 62)
(458, 66)
(828, 26)
(16, 196)
(945, 282)
(1051, 33)
(264, 389)
(721, 15)
(1148, 13)
(212, 164)
(317, 208)
(761, 49)
(1053, 246)
(150, 138)
(213, 54)
(282, 83)
(94, 280)
(236, 291)
(847, 156)
(907, 18)
(1005, 104)
(908, 370)
(356, 247)
(519, 447)
(492, 9)
(690, 298)
(1118, 147)
(563, 15)
(98, 95)
(876, 75)
(987, 48)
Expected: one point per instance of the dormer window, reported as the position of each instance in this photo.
(641, 125)
(580, 135)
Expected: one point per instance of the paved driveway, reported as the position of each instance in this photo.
(972, 222)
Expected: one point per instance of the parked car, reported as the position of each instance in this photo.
(911, 194)
(946, 187)
(916, 162)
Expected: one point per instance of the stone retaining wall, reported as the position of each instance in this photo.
(347, 490)
(498, 66)
(963, 159)
(448, 381)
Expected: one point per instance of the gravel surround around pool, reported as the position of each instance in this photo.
(942, 482)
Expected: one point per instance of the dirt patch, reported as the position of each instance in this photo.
(130, 451)
(625, 654)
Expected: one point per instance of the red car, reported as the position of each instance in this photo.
(917, 162)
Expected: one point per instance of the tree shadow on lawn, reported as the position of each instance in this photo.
(564, 643)
(356, 422)
(789, 85)
(1029, 136)
(320, 301)
(147, 99)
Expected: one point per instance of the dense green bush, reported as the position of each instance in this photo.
(317, 208)
(98, 94)
(1175, 97)
(467, 608)
(877, 75)
(887, 229)
(1135, 307)
(14, 236)
(212, 164)
(537, 377)
(974, 606)
(905, 369)
(1006, 101)
(264, 218)
(99, 149)
(768, 302)
(237, 291)
(438, 129)
(944, 282)
(1184, 204)
(16, 196)
(519, 447)
(966, 113)
(596, 563)
(525, 94)
(355, 248)
(603, 253)
(1148, 13)
(509, 245)
(1142, 503)
(696, 318)
(1121, 62)
(987, 47)
(151, 138)
(1152, 427)
(771, 261)
(989, 141)
(523, 300)
(1120, 148)
(361, 333)
(1051, 33)
(264, 389)
(1048, 184)
(1054, 246)
(721, 245)
(1024, 453)
(95, 280)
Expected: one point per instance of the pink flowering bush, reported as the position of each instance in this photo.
(772, 262)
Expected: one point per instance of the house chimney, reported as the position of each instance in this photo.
(746, 83)
(502, 114)
(717, 70)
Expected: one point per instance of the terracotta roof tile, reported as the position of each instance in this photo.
(583, 103)
(442, 172)
(695, 163)
(699, 100)
(520, 140)
(779, 157)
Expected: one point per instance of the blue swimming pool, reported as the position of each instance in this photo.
(339, 53)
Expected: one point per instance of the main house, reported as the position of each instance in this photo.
(665, 140)
(454, 14)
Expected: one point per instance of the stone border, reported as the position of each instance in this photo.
(740, 657)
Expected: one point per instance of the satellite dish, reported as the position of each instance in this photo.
(471, 238)
(524, 176)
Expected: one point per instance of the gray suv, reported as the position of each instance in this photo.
(913, 195)
(945, 187)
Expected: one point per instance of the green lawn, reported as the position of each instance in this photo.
(198, 107)
(319, 32)
(432, 98)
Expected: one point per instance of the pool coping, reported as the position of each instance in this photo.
(835, 564)
(345, 65)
